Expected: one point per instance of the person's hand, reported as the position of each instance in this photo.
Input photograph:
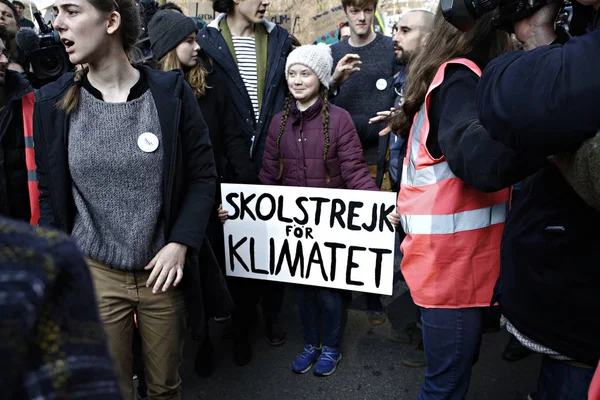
(223, 214)
(394, 219)
(383, 116)
(167, 267)
(344, 68)
(538, 29)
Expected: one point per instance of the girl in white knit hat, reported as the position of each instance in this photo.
(314, 144)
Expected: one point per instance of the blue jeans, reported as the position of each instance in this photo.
(321, 310)
(451, 338)
(559, 380)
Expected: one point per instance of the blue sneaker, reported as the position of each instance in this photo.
(327, 363)
(305, 360)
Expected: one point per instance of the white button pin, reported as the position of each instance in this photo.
(148, 142)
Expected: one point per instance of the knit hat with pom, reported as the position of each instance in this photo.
(316, 57)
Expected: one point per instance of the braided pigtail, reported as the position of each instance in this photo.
(325, 115)
(284, 118)
(70, 101)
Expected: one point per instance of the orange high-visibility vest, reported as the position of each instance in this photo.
(451, 253)
(27, 102)
(594, 393)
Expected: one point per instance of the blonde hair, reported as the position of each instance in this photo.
(195, 76)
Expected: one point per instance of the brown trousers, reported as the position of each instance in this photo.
(161, 320)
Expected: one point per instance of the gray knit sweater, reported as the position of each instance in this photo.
(117, 187)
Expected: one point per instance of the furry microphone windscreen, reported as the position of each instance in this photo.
(27, 40)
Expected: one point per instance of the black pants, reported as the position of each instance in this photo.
(247, 293)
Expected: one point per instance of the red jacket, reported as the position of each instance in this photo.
(301, 148)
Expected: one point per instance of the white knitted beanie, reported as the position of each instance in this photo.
(316, 57)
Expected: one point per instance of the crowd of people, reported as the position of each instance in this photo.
(488, 139)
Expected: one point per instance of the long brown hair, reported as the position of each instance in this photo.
(195, 76)
(129, 30)
(481, 45)
(325, 117)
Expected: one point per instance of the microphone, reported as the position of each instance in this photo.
(27, 40)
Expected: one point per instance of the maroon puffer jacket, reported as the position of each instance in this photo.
(302, 146)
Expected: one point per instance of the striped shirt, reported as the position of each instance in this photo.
(245, 53)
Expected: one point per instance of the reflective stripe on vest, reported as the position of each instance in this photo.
(452, 223)
(412, 176)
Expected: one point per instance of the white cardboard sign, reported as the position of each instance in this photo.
(332, 238)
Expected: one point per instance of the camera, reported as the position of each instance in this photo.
(463, 13)
(45, 52)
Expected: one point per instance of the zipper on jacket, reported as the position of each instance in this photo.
(252, 146)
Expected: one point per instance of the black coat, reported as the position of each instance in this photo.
(14, 190)
(540, 103)
(212, 42)
(189, 171)
(231, 145)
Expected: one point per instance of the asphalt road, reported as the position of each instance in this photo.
(370, 368)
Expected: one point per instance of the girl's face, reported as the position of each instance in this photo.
(83, 29)
(187, 52)
(304, 85)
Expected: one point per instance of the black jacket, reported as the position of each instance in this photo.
(540, 102)
(231, 146)
(189, 170)
(212, 42)
(14, 191)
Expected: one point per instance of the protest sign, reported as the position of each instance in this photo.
(283, 20)
(331, 238)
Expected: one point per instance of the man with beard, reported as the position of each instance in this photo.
(8, 18)
(9, 21)
(18, 188)
(410, 34)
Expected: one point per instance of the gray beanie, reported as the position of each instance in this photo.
(316, 57)
(167, 29)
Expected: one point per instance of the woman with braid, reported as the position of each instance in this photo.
(126, 167)
(314, 144)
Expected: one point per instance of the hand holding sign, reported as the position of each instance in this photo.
(223, 214)
(394, 219)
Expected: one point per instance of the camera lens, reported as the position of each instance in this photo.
(50, 63)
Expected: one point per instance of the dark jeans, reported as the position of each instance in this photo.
(321, 310)
(451, 338)
(559, 380)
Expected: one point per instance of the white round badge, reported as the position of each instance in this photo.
(381, 84)
(148, 142)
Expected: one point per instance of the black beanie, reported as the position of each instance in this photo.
(167, 29)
